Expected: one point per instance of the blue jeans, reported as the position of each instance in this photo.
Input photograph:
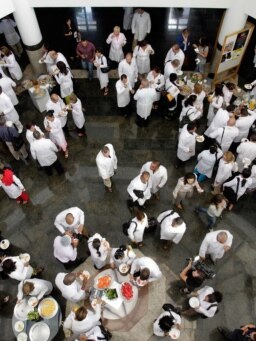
(200, 177)
(88, 66)
(210, 220)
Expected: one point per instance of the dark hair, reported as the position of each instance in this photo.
(166, 323)
(218, 90)
(216, 296)
(142, 43)
(96, 243)
(49, 113)
(139, 215)
(99, 49)
(30, 124)
(230, 108)
(253, 138)
(178, 221)
(217, 199)
(189, 176)
(190, 100)
(173, 77)
(244, 112)
(120, 252)
(62, 67)
(213, 149)
(192, 125)
(36, 135)
(8, 265)
(230, 86)
(123, 76)
(1, 76)
(203, 42)
(144, 274)
(157, 69)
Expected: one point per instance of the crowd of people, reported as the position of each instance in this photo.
(227, 159)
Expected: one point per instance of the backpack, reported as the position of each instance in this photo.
(127, 225)
(185, 119)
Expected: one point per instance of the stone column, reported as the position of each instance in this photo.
(30, 33)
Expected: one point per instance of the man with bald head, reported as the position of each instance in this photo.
(71, 221)
(226, 135)
(216, 244)
(175, 53)
(56, 104)
(71, 289)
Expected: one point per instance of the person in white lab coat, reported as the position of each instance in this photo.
(127, 18)
(228, 90)
(94, 334)
(244, 123)
(70, 221)
(53, 126)
(166, 324)
(226, 135)
(137, 227)
(128, 67)
(208, 302)
(216, 101)
(122, 255)
(141, 25)
(11, 63)
(139, 189)
(70, 287)
(65, 251)
(7, 85)
(146, 269)
(78, 115)
(30, 128)
(99, 249)
(156, 81)
(172, 228)
(185, 188)
(235, 188)
(47, 59)
(189, 110)
(64, 79)
(158, 175)
(34, 287)
(7, 108)
(106, 162)
(216, 244)
(13, 187)
(83, 320)
(174, 53)
(58, 57)
(206, 161)
(44, 151)
(56, 104)
(17, 268)
(246, 150)
(123, 90)
(145, 97)
(117, 41)
(142, 53)
(100, 62)
(172, 95)
(171, 67)
(186, 143)
(200, 96)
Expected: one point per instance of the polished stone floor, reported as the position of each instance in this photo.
(31, 228)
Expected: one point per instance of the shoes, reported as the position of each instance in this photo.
(108, 189)
(66, 154)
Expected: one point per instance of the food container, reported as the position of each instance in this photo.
(84, 274)
(19, 326)
(103, 282)
(174, 333)
(48, 308)
(127, 291)
(124, 269)
(40, 331)
(200, 138)
(33, 301)
(25, 257)
(194, 302)
(21, 310)
(22, 337)
(4, 244)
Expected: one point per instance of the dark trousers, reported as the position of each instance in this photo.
(57, 165)
(72, 263)
(125, 111)
(141, 122)
(80, 130)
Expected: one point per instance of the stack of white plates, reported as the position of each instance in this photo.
(40, 331)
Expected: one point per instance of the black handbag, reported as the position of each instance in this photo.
(104, 69)
(185, 119)
(169, 307)
(152, 224)
(106, 333)
(127, 225)
(17, 143)
(138, 193)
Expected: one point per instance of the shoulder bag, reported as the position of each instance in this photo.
(185, 119)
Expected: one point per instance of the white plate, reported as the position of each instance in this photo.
(41, 304)
(123, 268)
(19, 326)
(85, 274)
(4, 244)
(179, 73)
(21, 310)
(22, 337)
(33, 301)
(141, 283)
(200, 138)
(174, 333)
(40, 331)
(25, 257)
(196, 50)
(194, 302)
(248, 86)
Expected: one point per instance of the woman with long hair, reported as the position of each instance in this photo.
(77, 114)
(137, 228)
(122, 255)
(216, 100)
(11, 63)
(167, 323)
(99, 249)
(101, 64)
(64, 79)
(142, 53)
(189, 109)
(202, 54)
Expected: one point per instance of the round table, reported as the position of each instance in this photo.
(54, 323)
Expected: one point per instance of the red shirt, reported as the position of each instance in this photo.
(87, 51)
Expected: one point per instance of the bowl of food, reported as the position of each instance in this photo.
(110, 294)
(194, 302)
(84, 274)
(174, 333)
(248, 87)
(33, 301)
(124, 269)
(104, 282)
(19, 326)
(179, 83)
(40, 331)
(179, 73)
(22, 337)
(4, 244)
(140, 282)
(200, 138)
(127, 291)
(48, 308)
(25, 257)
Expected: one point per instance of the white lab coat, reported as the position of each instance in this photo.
(29, 134)
(240, 189)
(186, 145)
(224, 172)
(143, 58)
(44, 151)
(185, 188)
(172, 56)
(145, 98)
(41, 288)
(8, 109)
(227, 95)
(156, 83)
(137, 184)
(127, 19)
(253, 178)
(94, 334)
(15, 189)
(128, 258)
(136, 232)
(204, 305)
(168, 69)
(56, 134)
(98, 261)
(191, 112)
(141, 25)
(225, 136)
(106, 166)
(91, 320)
(146, 262)
(173, 90)
(77, 114)
(61, 58)
(244, 124)
(123, 93)
(210, 245)
(57, 107)
(13, 67)
(7, 85)
(219, 121)
(168, 232)
(103, 77)
(22, 271)
(247, 150)
(130, 70)
(158, 178)
(116, 48)
(156, 328)
(206, 162)
(199, 103)
(65, 82)
(72, 292)
(215, 104)
(48, 61)
(63, 226)
(64, 254)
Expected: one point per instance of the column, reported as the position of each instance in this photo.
(30, 33)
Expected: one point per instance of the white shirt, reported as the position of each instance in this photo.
(65, 82)
(168, 69)
(156, 328)
(145, 98)
(41, 288)
(206, 162)
(7, 108)
(225, 170)
(241, 189)
(181, 187)
(77, 114)
(128, 258)
(246, 149)
(15, 189)
(137, 228)
(141, 25)
(244, 123)
(187, 144)
(156, 83)
(225, 136)
(64, 253)
(7, 85)
(191, 112)
(158, 178)
(137, 184)
(44, 151)
(56, 133)
(123, 93)
(106, 165)
(13, 66)
(219, 121)
(98, 260)
(171, 55)
(116, 48)
(143, 58)
(130, 70)
(22, 271)
(210, 245)
(57, 107)
(72, 292)
(146, 262)
(204, 305)
(168, 232)
(216, 103)
(63, 226)
(29, 134)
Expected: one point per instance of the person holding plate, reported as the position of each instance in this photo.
(145, 270)
(56, 104)
(99, 249)
(34, 287)
(121, 255)
(168, 324)
(71, 286)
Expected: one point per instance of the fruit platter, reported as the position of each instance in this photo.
(127, 291)
(104, 282)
